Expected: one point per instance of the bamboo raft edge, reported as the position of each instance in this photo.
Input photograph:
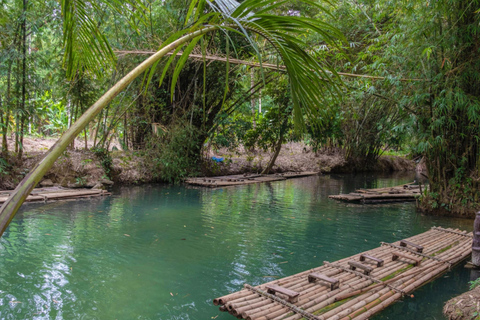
(360, 295)
(50, 194)
(405, 192)
(237, 180)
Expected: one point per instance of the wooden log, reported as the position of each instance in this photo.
(476, 241)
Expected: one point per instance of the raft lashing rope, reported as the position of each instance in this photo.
(356, 287)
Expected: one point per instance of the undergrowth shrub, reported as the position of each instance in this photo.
(175, 154)
(105, 159)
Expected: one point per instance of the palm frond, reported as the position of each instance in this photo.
(86, 47)
(311, 81)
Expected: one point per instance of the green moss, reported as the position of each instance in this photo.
(445, 249)
(390, 276)
(332, 306)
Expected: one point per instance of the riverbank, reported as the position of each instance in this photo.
(464, 307)
(81, 168)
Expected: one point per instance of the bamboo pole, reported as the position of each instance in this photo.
(255, 64)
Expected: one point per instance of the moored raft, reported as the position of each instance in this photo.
(242, 179)
(56, 193)
(356, 287)
(407, 192)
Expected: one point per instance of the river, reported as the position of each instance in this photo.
(164, 252)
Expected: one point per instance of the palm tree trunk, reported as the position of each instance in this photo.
(278, 147)
(13, 203)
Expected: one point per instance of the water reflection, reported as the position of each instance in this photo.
(163, 252)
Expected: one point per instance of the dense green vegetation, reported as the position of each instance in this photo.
(418, 90)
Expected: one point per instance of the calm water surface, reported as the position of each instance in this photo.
(164, 252)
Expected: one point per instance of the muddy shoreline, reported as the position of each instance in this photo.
(82, 168)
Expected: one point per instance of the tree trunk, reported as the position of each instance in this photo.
(270, 165)
(278, 147)
(476, 241)
(125, 133)
(20, 142)
(252, 101)
(86, 139)
(17, 131)
(3, 124)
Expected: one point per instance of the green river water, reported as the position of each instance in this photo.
(164, 252)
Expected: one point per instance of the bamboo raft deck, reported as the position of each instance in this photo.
(356, 287)
(242, 179)
(407, 192)
(56, 193)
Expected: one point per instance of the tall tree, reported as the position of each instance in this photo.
(443, 49)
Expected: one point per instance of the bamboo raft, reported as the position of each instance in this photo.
(242, 179)
(56, 193)
(356, 287)
(407, 192)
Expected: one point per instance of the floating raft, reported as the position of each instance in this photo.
(241, 179)
(55, 193)
(356, 287)
(407, 192)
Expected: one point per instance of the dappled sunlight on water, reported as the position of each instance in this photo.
(164, 252)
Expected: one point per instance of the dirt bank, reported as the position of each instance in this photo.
(464, 307)
(80, 168)
(298, 157)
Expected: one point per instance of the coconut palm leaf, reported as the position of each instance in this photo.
(86, 47)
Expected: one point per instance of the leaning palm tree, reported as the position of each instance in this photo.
(310, 79)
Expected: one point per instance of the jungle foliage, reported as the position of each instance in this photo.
(420, 95)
